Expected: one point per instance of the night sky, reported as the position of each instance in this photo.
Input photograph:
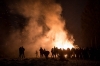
(9, 21)
(72, 10)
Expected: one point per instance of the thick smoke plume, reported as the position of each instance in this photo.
(45, 27)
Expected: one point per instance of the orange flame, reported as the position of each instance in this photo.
(61, 40)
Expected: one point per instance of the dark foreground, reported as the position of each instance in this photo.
(49, 62)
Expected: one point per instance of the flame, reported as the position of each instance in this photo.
(64, 45)
(60, 39)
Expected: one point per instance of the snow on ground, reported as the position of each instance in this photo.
(49, 62)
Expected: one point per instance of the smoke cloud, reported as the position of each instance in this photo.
(45, 27)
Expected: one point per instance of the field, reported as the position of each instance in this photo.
(49, 62)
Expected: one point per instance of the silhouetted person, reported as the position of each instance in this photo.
(21, 52)
(77, 51)
(61, 55)
(23, 49)
(55, 51)
(81, 56)
(46, 53)
(41, 52)
(84, 52)
(36, 53)
(68, 53)
(52, 52)
(73, 52)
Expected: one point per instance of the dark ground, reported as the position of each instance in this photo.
(49, 62)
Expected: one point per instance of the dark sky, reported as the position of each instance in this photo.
(9, 21)
(72, 10)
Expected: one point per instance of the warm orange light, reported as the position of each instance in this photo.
(64, 45)
(59, 36)
(61, 40)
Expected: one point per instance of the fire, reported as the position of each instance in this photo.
(64, 45)
(61, 39)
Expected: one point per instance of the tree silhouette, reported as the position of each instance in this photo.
(91, 23)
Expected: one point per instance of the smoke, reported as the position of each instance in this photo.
(45, 27)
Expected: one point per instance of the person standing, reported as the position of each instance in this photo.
(41, 52)
(21, 52)
(36, 53)
(23, 55)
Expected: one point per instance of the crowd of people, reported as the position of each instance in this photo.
(73, 53)
(43, 52)
(77, 53)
